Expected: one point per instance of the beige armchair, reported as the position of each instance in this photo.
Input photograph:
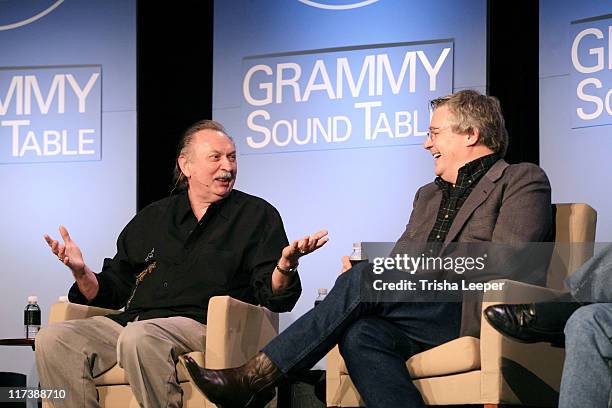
(235, 332)
(492, 370)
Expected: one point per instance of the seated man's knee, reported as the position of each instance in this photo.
(361, 335)
(50, 336)
(129, 339)
(351, 277)
(586, 320)
(137, 340)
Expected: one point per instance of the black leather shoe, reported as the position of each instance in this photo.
(532, 323)
(247, 386)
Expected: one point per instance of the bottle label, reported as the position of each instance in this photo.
(30, 317)
(31, 331)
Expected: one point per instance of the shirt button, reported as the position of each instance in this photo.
(437, 236)
(446, 216)
(165, 284)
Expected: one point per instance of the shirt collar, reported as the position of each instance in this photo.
(470, 172)
(184, 206)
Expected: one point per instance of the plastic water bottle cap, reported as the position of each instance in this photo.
(356, 245)
(32, 299)
(63, 299)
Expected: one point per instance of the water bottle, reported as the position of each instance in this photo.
(358, 255)
(322, 293)
(31, 317)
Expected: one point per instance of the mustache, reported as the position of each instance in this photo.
(225, 176)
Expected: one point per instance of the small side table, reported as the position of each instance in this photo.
(17, 342)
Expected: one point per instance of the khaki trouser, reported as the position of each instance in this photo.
(70, 354)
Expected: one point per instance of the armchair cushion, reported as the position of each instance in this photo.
(457, 356)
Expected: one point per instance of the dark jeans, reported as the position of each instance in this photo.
(375, 338)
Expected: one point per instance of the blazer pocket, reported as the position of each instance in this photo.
(481, 228)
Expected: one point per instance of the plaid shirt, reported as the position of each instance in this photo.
(453, 197)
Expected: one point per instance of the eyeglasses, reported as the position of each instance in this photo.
(434, 132)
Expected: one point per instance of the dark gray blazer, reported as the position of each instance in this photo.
(510, 204)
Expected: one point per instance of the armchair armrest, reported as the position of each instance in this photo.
(236, 331)
(505, 361)
(337, 389)
(62, 311)
(518, 292)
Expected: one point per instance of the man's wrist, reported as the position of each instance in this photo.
(88, 284)
(81, 273)
(286, 267)
(287, 263)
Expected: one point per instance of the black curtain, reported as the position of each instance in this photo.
(512, 68)
(174, 71)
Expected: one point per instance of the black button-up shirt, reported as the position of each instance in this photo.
(170, 264)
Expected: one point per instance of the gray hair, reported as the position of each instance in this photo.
(178, 178)
(472, 110)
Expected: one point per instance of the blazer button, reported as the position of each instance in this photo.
(165, 284)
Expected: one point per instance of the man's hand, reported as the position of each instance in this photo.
(290, 255)
(346, 263)
(70, 255)
(298, 248)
